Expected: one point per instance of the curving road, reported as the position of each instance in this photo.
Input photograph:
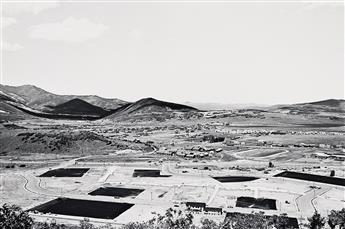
(305, 202)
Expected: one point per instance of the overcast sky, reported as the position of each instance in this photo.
(265, 53)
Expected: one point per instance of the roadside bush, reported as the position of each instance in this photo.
(13, 217)
(316, 221)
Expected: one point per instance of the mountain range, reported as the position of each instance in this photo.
(28, 101)
(41, 100)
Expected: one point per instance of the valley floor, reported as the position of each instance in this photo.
(186, 159)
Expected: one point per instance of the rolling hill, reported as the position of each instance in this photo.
(150, 109)
(332, 108)
(154, 105)
(335, 103)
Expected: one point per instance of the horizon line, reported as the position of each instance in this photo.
(184, 102)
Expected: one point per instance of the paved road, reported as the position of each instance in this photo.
(109, 172)
(305, 201)
(214, 194)
(33, 184)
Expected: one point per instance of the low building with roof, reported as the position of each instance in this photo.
(213, 210)
(196, 206)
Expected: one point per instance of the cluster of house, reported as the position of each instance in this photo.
(234, 141)
(305, 145)
(213, 138)
(265, 132)
(146, 130)
(235, 113)
(320, 155)
(200, 207)
(195, 152)
(204, 149)
(230, 142)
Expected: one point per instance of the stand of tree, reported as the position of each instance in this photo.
(13, 217)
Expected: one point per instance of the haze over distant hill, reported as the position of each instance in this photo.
(336, 103)
(330, 106)
(225, 106)
(329, 103)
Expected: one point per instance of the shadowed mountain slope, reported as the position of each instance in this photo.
(14, 108)
(9, 109)
(147, 107)
(78, 107)
(157, 105)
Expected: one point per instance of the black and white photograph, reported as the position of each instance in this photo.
(172, 114)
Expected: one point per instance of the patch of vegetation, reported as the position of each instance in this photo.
(13, 217)
(56, 141)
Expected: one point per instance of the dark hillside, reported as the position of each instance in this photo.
(78, 107)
